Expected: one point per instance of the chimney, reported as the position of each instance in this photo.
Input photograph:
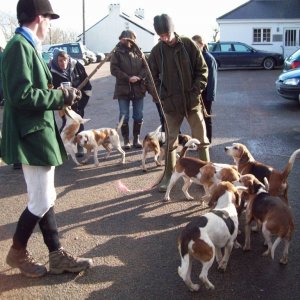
(114, 8)
(139, 13)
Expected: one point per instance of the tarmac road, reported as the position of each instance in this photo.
(110, 213)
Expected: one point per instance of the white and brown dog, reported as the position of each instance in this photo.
(108, 138)
(246, 164)
(68, 134)
(271, 212)
(194, 170)
(153, 142)
(204, 238)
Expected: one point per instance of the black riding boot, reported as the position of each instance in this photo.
(125, 134)
(136, 134)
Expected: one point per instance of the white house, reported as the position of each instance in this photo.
(104, 35)
(272, 25)
(2, 39)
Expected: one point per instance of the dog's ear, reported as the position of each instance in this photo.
(245, 154)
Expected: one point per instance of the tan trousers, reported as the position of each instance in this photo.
(197, 124)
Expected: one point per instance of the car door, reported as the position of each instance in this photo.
(223, 54)
(245, 56)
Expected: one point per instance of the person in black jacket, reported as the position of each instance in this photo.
(130, 73)
(66, 69)
(209, 93)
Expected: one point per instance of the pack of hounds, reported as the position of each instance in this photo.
(246, 188)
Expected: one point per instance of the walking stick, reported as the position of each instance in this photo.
(150, 77)
(85, 81)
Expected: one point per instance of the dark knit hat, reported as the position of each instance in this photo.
(163, 24)
(27, 10)
(127, 34)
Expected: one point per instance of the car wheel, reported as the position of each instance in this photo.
(269, 63)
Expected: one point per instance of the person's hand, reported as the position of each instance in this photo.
(134, 79)
(71, 95)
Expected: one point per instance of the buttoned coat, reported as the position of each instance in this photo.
(180, 75)
(29, 132)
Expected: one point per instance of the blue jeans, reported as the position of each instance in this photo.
(137, 110)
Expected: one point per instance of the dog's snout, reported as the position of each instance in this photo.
(226, 148)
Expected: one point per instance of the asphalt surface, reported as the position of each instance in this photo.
(110, 212)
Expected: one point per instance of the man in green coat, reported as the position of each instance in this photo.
(30, 137)
(180, 75)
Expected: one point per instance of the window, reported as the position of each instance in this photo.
(261, 35)
(290, 37)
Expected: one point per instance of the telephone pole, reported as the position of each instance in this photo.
(83, 22)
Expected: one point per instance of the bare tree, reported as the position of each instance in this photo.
(57, 35)
(215, 35)
(9, 23)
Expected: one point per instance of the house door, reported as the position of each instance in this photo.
(291, 40)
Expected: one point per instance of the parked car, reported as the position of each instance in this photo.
(292, 61)
(100, 56)
(47, 56)
(288, 84)
(75, 50)
(241, 55)
(90, 55)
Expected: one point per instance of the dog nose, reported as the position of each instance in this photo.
(226, 148)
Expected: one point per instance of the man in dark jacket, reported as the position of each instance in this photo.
(180, 75)
(209, 94)
(31, 137)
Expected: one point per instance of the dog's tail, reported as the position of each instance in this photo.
(156, 131)
(187, 145)
(120, 123)
(290, 164)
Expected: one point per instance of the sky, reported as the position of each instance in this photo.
(190, 17)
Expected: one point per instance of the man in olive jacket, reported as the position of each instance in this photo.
(180, 75)
(30, 137)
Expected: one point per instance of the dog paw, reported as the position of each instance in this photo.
(166, 199)
(194, 287)
(266, 253)
(246, 248)
(284, 260)
(237, 245)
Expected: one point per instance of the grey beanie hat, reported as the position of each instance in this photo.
(163, 24)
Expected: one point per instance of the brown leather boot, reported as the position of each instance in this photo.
(61, 261)
(23, 260)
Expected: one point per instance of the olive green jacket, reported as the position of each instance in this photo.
(29, 132)
(125, 63)
(180, 74)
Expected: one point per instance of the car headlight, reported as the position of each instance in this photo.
(291, 81)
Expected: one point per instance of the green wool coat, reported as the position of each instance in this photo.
(29, 132)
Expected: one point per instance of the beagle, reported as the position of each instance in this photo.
(108, 138)
(271, 212)
(246, 164)
(192, 169)
(68, 134)
(212, 174)
(203, 238)
(153, 142)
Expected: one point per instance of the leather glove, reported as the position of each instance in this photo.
(71, 96)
